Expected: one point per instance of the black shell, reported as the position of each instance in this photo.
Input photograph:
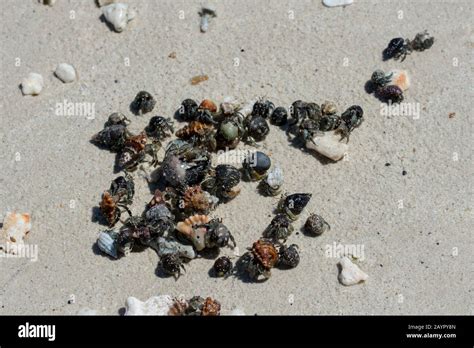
(257, 128)
(143, 103)
(395, 47)
(258, 162)
(352, 117)
(218, 235)
(112, 137)
(263, 108)
(289, 256)
(122, 186)
(227, 176)
(222, 266)
(158, 127)
(279, 228)
(316, 225)
(392, 92)
(296, 202)
(188, 110)
(279, 116)
(329, 122)
(171, 264)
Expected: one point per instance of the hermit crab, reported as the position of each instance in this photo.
(143, 103)
(288, 256)
(172, 265)
(117, 198)
(222, 181)
(399, 48)
(315, 225)
(205, 233)
(114, 134)
(259, 260)
(279, 228)
(204, 307)
(159, 128)
(272, 183)
(222, 267)
(135, 151)
(294, 204)
(256, 165)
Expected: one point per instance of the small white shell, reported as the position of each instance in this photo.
(400, 78)
(107, 242)
(275, 177)
(329, 145)
(66, 73)
(32, 84)
(118, 15)
(350, 274)
(15, 227)
(334, 3)
(156, 305)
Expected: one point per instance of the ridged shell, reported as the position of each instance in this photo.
(107, 243)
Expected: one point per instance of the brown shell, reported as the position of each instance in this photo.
(266, 253)
(194, 128)
(186, 226)
(137, 142)
(178, 307)
(195, 198)
(208, 104)
(108, 207)
(211, 307)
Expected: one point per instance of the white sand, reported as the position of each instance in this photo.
(283, 60)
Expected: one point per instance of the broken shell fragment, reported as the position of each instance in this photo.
(32, 84)
(156, 305)
(400, 78)
(350, 273)
(118, 15)
(169, 246)
(329, 145)
(66, 73)
(15, 228)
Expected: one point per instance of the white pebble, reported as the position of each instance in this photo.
(334, 3)
(156, 305)
(350, 274)
(118, 15)
(32, 84)
(66, 73)
(329, 145)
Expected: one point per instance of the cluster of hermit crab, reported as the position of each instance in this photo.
(176, 221)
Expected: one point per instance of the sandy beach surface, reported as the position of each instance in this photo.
(415, 229)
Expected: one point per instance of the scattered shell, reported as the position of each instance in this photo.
(156, 305)
(198, 79)
(292, 205)
(400, 78)
(118, 15)
(256, 165)
(107, 242)
(15, 228)
(350, 273)
(334, 3)
(66, 73)
(206, 13)
(222, 266)
(329, 145)
(32, 84)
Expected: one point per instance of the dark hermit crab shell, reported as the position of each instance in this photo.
(289, 256)
(222, 266)
(188, 110)
(391, 93)
(279, 116)
(143, 103)
(294, 204)
(257, 127)
(256, 165)
(111, 137)
(263, 108)
(395, 48)
(316, 225)
(172, 264)
(279, 228)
